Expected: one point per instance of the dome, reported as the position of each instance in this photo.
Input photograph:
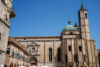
(69, 27)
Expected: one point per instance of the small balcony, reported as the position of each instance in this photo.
(12, 13)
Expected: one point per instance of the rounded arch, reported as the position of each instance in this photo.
(26, 65)
(5, 65)
(15, 65)
(33, 49)
(11, 65)
(59, 54)
(50, 54)
(33, 61)
(70, 48)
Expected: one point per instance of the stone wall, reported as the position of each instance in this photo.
(5, 14)
(4, 30)
(86, 57)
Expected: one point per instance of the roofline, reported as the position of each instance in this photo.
(18, 45)
(30, 37)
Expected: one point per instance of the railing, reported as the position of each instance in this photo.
(12, 13)
(19, 57)
(12, 10)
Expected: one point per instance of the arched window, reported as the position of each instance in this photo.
(85, 15)
(59, 55)
(66, 58)
(5, 65)
(84, 57)
(71, 33)
(8, 51)
(76, 58)
(70, 48)
(11, 65)
(33, 50)
(13, 53)
(71, 65)
(80, 48)
(50, 54)
(15, 65)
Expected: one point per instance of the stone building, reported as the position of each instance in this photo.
(6, 12)
(74, 48)
(17, 55)
(99, 56)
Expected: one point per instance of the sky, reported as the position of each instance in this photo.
(48, 17)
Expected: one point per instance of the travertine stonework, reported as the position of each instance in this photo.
(74, 48)
(99, 56)
(17, 55)
(5, 14)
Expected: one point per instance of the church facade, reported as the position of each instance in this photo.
(74, 48)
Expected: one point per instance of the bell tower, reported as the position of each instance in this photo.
(83, 23)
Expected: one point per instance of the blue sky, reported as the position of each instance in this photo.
(48, 17)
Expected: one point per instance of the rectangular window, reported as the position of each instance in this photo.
(84, 57)
(50, 54)
(59, 54)
(66, 58)
(0, 52)
(76, 58)
(8, 51)
(80, 48)
(0, 35)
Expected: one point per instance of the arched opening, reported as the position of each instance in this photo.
(33, 50)
(80, 48)
(11, 65)
(5, 65)
(15, 65)
(59, 55)
(50, 54)
(71, 33)
(70, 48)
(86, 15)
(66, 58)
(70, 65)
(75, 58)
(33, 61)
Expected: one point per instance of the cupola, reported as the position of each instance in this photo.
(69, 27)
